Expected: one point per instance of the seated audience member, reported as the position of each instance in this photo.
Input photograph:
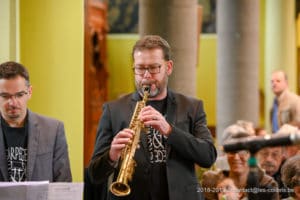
(209, 181)
(240, 126)
(271, 159)
(217, 185)
(238, 164)
(227, 190)
(290, 175)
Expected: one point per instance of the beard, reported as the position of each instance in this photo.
(13, 113)
(154, 90)
(155, 87)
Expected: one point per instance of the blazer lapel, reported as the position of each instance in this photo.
(33, 136)
(3, 161)
(171, 108)
(171, 114)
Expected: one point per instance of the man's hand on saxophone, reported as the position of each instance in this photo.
(151, 117)
(119, 142)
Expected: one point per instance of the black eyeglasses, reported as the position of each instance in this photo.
(18, 95)
(153, 69)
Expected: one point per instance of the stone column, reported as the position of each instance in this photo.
(237, 62)
(177, 22)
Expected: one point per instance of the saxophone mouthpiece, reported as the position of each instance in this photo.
(146, 88)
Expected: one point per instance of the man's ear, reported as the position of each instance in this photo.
(30, 91)
(169, 67)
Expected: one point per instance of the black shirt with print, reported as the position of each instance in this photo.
(16, 151)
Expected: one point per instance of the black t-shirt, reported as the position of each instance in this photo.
(16, 151)
(157, 150)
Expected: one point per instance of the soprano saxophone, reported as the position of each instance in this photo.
(120, 187)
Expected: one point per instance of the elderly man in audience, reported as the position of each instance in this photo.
(270, 159)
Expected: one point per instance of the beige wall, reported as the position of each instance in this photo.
(8, 30)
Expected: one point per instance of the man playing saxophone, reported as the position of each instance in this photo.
(174, 136)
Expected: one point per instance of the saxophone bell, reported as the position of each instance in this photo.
(120, 189)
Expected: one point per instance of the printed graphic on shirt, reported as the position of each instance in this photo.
(156, 146)
(17, 162)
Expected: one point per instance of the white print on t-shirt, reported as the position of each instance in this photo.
(17, 161)
(156, 146)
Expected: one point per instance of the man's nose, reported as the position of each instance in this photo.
(12, 100)
(147, 74)
(269, 157)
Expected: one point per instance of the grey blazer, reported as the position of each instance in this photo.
(189, 143)
(289, 109)
(48, 157)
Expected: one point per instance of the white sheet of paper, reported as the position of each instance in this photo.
(65, 191)
(41, 190)
(24, 190)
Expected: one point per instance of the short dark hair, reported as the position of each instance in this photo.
(13, 69)
(153, 42)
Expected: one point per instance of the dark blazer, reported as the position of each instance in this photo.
(189, 143)
(48, 157)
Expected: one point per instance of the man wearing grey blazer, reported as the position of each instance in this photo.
(286, 104)
(32, 147)
(173, 138)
